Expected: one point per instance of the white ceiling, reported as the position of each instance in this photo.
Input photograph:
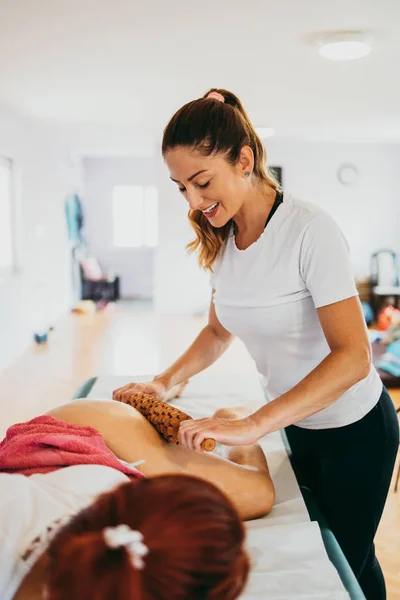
(124, 63)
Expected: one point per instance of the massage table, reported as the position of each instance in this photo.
(294, 554)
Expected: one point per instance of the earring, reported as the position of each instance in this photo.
(247, 174)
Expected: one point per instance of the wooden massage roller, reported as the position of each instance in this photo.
(164, 418)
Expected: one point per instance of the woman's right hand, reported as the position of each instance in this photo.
(155, 387)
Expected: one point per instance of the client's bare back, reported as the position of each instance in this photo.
(243, 475)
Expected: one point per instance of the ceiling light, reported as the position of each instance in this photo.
(265, 132)
(347, 45)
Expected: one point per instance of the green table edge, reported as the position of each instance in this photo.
(84, 389)
(332, 547)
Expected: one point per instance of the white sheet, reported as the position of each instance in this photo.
(288, 557)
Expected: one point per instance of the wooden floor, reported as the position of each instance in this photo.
(130, 339)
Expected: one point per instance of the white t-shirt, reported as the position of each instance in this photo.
(267, 296)
(32, 509)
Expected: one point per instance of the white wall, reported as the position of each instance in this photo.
(134, 265)
(165, 274)
(368, 213)
(44, 175)
(180, 285)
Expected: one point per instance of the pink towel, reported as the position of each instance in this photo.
(45, 444)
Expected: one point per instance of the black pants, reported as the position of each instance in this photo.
(349, 470)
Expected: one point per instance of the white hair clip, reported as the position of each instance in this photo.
(123, 536)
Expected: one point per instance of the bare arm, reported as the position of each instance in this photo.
(348, 362)
(209, 345)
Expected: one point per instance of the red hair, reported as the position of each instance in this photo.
(194, 536)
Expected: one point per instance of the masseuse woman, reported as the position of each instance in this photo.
(282, 283)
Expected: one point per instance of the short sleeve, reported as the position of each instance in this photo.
(325, 262)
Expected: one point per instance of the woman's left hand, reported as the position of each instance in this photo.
(230, 432)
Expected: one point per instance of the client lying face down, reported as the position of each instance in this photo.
(173, 532)
(170, 537)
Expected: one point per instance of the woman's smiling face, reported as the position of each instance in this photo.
(209, 184)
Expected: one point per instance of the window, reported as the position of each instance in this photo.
(135, 220)
(6, 218)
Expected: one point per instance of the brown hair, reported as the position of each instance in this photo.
(194, 536)
(214, 127)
